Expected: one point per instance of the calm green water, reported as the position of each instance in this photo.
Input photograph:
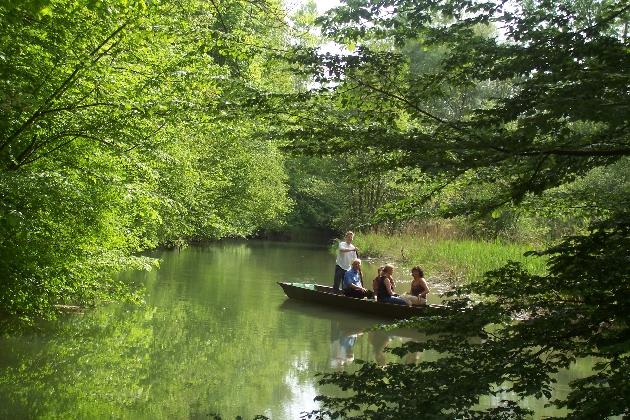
(216, 336)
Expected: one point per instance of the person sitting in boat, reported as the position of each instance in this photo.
(385, 289)
(375, 281)
(419, 288)
(353, 282)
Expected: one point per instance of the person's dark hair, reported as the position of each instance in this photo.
(419, 270)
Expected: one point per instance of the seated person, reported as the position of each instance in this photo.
(419, 288)
(385, 289)
(375, 281)
(353, 284)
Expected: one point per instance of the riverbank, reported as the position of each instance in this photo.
(447, 261)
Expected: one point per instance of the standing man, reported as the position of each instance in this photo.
(346, 253)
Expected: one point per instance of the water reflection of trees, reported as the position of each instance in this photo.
(141, 364)
(201, 346)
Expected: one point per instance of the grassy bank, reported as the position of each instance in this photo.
(445, 260)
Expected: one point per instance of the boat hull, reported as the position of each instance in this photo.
(325, 295)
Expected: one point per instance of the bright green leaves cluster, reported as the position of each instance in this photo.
(113, 139)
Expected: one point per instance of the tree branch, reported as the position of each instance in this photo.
(65, 85)
(583, 153)
(408, 103)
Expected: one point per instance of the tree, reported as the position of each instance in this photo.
(560, 111)
(114, 139)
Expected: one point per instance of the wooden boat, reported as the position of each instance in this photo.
(326, 295)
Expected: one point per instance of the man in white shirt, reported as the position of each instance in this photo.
(346, 253)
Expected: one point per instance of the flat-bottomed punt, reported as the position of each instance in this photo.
(326, 295)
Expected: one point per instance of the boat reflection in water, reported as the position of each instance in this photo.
(352, 336)
(342, 344)
(380, 340)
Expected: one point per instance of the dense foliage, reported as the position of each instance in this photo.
(125, 125)
(515, 103)
(114, 139)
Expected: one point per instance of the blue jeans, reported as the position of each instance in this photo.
(393, 299)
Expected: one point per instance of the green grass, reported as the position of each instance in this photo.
(447, 260)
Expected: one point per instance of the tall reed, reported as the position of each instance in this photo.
(452, 260)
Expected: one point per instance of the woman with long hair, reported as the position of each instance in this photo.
(385, 287)
(419, 288)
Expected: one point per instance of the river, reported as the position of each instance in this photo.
(215, 336)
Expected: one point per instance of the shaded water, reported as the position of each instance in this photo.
(217, 336)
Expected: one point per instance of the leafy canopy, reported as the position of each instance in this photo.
(114, 139)
(522, 97)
